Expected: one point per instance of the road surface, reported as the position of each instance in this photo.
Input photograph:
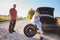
(19, 35)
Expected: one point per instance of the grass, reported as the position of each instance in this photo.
(4, 18)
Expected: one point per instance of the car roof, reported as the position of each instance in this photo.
(46, 8)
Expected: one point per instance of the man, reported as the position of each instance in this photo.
(13, 17)
(36, 20)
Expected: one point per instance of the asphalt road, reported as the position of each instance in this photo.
(19, 35)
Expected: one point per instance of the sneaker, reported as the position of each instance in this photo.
(41, 38)
(10, 32)
(13, 30)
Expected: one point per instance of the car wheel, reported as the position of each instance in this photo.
(30, 30)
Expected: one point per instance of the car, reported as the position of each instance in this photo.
(49, 23)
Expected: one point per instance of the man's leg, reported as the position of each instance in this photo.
(14, 22)
(10, 27)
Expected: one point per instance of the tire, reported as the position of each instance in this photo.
(30, 30)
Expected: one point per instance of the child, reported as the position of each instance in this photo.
(36, 20)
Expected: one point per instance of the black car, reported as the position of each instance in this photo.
(49, 23)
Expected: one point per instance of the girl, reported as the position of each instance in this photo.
(36, 20)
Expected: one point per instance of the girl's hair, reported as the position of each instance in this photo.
(38, 10)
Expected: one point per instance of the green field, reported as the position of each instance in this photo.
(4, 18)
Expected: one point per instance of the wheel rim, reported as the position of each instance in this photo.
(30, 30)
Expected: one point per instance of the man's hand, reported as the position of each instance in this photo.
(9, 16)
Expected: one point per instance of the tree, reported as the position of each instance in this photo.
(31, 12)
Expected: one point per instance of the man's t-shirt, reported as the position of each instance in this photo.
(13, 14)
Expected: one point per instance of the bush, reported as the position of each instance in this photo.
(20, 18)
(31, 12)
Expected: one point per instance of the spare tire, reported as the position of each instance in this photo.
(30, 30)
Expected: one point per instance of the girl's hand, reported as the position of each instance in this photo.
(36, 15)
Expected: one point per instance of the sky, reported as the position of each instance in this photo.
(23, 6)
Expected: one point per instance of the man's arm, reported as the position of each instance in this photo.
(9, 14)
(16, 14)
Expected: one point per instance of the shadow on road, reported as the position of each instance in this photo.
(5, 35)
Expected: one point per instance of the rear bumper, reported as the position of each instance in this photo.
(50, 27)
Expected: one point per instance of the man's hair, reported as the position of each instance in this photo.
(14, 4)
